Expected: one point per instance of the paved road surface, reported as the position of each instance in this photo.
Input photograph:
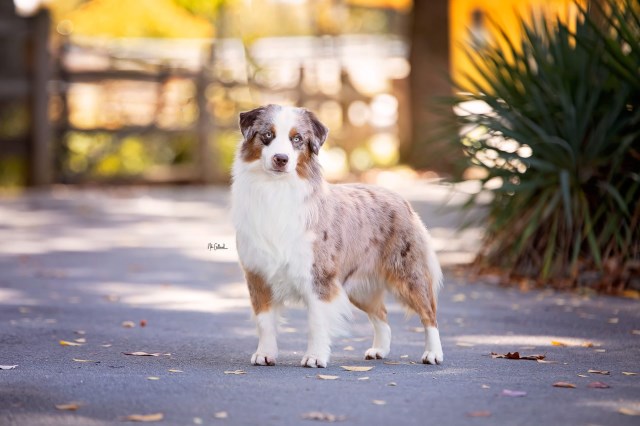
(77, 264)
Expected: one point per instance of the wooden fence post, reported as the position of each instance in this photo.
(40, 150)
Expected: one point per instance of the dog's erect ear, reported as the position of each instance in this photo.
(319, 130)
(247, 119)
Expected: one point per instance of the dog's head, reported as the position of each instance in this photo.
(284, 140)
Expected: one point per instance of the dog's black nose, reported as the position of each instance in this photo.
(280, 160)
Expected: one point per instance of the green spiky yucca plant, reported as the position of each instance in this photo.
(561, 145)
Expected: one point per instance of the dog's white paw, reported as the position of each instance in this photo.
(376, 353)
(313, 361)
(432, 357)
(260, 358)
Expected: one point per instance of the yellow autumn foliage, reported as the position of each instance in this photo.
(139, 18)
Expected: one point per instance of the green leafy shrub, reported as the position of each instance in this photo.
(560, 146)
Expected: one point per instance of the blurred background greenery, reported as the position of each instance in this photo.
(534, 100)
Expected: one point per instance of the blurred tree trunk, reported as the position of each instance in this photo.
(429, 78)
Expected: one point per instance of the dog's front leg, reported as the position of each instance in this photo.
(266, 319)
(319, 345)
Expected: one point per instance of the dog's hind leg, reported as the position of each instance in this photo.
(373, 306)
(420, 298)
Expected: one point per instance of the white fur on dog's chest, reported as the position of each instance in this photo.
(271, 220)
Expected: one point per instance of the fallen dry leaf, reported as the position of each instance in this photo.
(197, 421)
(544, 361)
(627, 411)
(128, 324)
(322, 417)
(557, 343)
(513, 393)
(363, 378)
(153, 378)
(635, 331)
(326, 377)
(392, 384)
(80, 332)
(145, 354)
(587, 344)
(598, 385)
(355, 368)
(72, 406)
(108, 345)
(404, 356)
(485, 387)
(613, 320)
(379, 402)
(604, 372)
(174, 370)
(393, 362)
(564, 385)
(8, 367)
(631, 294)
(582, 375)
(237, 372)
(628, 373)
(516, 355)
(348, 348)
(83, 360)
(465, 345)
(479, 414)
(80, 340)
(143, 323)
(155, 417)
(221, 415)
(66, 343)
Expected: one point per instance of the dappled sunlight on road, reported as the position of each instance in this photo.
(167, 297)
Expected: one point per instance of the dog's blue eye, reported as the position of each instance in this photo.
(297, 138)
(268, 135)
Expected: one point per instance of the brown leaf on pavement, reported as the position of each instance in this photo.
(598, 385)
(628, 373)
(175, 370)
(326, 377)
(72, 406)
(557, 343)
(564, 385)
(356, 368)
(128, 324)
(221, 415)
(145, 354)
(323, 417)
(379, 402)
(237, 372)
(8, 367)
(627, 411)
(516, 355)
(604, 372)
(155, 417)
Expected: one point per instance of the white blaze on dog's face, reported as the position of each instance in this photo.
(281, 140)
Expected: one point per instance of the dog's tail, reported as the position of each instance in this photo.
(435, 271)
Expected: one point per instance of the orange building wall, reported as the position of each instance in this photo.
(506, 13)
